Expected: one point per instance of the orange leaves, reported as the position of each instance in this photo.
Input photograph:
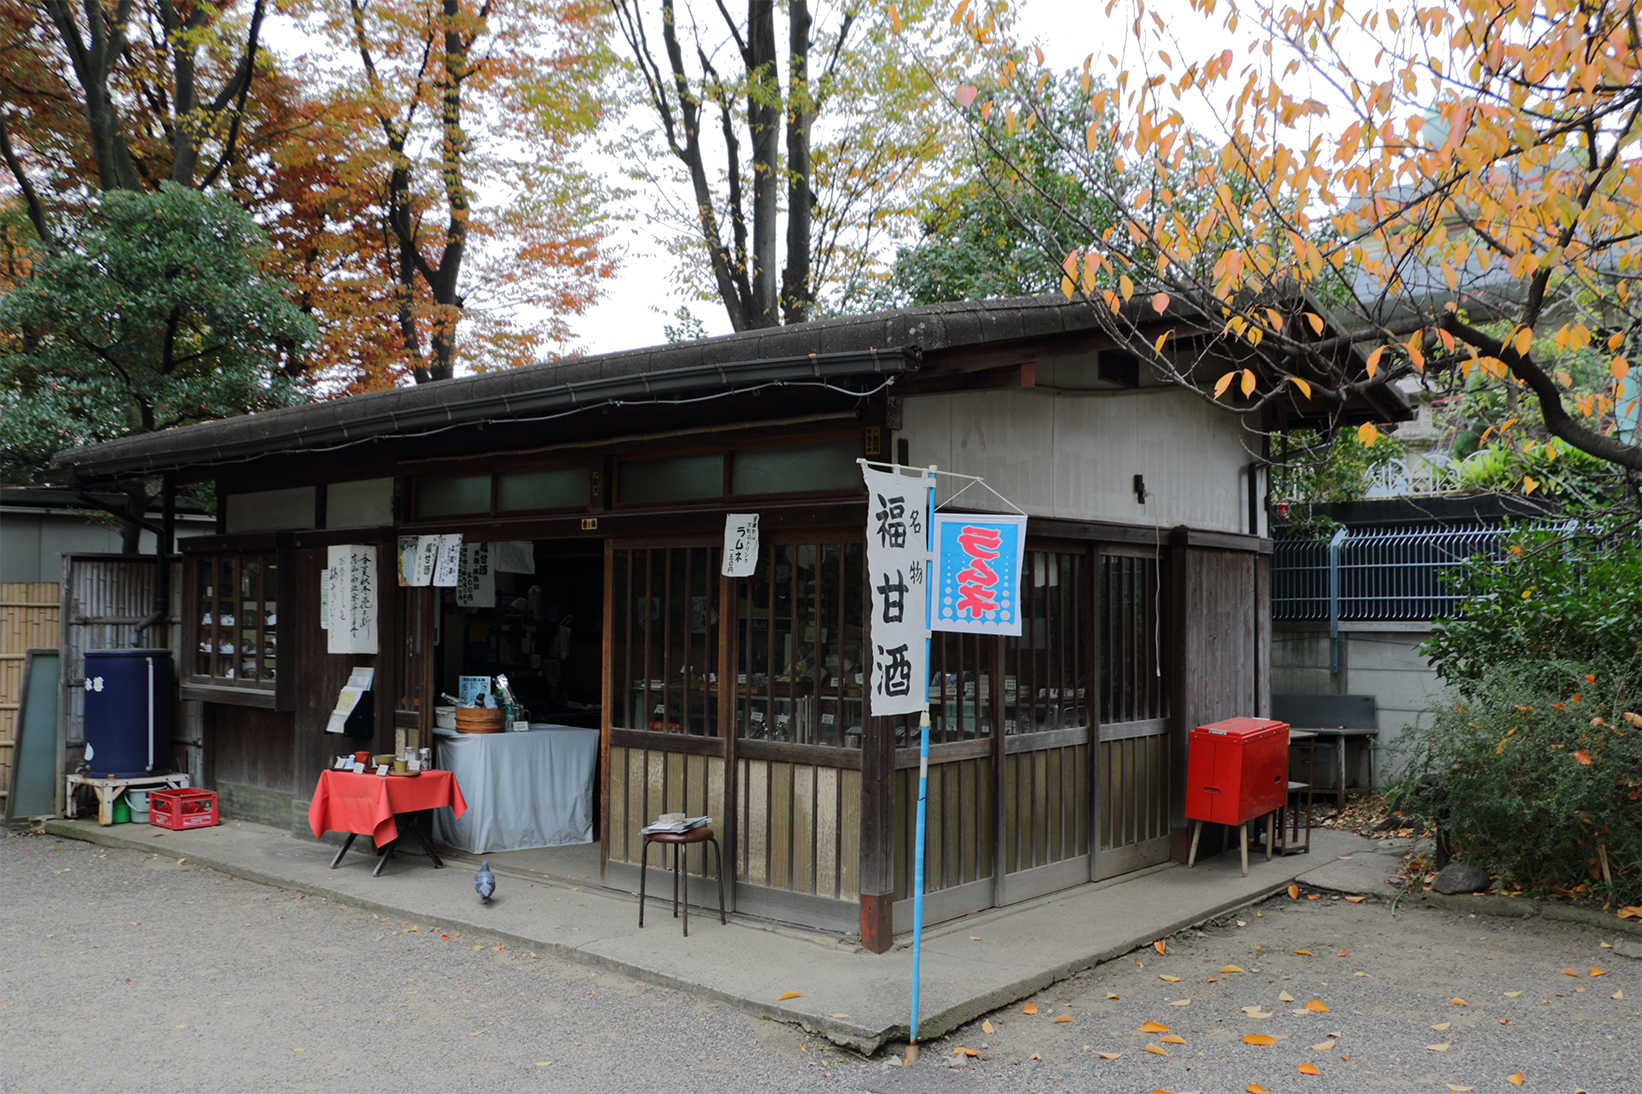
(1156, 1050)
(1222, 384)
(1367, 434)
(1154, 1027)
(1231, 968)
(965, 94)
(1263, 1040)
(1247, 384)
(1110, 1055)
(1373, 362)
(1317, 1006)
(1582, 757)
(1619, 368)
(1305, 388)
(1172, 1039)
(1515, 1078)
(1255, 1088)
(1160, 945)
(784, 996)
(1294, 894)
(1030, 1008)
(1062, 1018)
(1160, 302)
(1598, 972)
(1308, 1069)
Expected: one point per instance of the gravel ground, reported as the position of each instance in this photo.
(121, 971)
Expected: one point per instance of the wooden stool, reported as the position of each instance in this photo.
(680, 842)
(1242, 840)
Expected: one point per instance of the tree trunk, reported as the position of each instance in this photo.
(764, 123)
(136, 506)
(796, 295)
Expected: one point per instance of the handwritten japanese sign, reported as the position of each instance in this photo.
(897, 566)
(417, 555)
(352, 600)
(740, 544)
(475, 580)
(977, 572)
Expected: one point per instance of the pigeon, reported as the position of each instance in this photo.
(484, 882)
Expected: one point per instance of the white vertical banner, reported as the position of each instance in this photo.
(740, 545)
(475, 578)
(897, 572)
(353, 599)
(448, 561)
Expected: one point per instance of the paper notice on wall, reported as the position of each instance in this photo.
(353, 599)
(897, 568)
(740, 544)
(417, 556)
(325, 600)
(475, 580)
(513, 557)
(449, 562)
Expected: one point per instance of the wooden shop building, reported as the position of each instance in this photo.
(1057, 757)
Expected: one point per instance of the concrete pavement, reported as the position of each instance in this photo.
(854, 998)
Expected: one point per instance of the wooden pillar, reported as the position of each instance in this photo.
(1180, 619)
(878, 834)
(1262, 633)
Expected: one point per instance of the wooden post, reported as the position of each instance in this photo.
(878, 834)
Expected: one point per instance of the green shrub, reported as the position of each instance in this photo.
(1529, 782)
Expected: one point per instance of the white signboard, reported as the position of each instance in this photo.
(448, 563)
(740, 544)
(353, 599)
(417, 555)
(475, 579)
(897, 569)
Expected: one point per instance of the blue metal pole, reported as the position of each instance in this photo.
(923, 774)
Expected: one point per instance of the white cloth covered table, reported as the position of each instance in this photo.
(523, 790)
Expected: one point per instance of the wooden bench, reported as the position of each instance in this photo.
(1336, 719)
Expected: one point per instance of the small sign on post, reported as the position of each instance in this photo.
(740, 545)
(978, 572)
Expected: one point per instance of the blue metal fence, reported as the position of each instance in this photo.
(1374, 573)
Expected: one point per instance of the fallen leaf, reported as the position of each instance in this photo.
(1323, 1046)
(1515, 1078)
(1441, 1026)
(1231, 968)
(1617, 995)
(1158, 945)
(1214, 980)
(1111, 995)
(1294, 892)
(1172, 1039)
(970, 1052)
(1308, 1069)
(1314, 896)
(1259, 1039)
(1030, 1008)
(1459, 1089)
(1629, 910)
(1570, 972)
(1512, 994)
(1109, 1055)
(1181, 1003)
(1355, 899)
(1034, 1056)
(1302, 953)
(974, 938)
(1504, 1021)
(1342, 953)
(1157, 1050)
(1598, 972)
(1582, 757)
(1256, 1012)
(1284, 997)
(1154, 1027)
(986, 1027)
(544, 1063)
(1317, 1005)
(1063, 1017)
(1170, 979)
(1458, 1002)
(1439, 1048)
(1255, 1088)
(788, 995)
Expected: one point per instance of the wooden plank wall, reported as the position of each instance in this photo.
(959, 823)
(799, 828)
(644, 783)
(1215, 636)
(1046, 806)
(28, 621)
(1134, 803)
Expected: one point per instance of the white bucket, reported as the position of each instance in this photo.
(138, 801)
(444, 717)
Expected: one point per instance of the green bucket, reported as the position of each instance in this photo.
(122, 810)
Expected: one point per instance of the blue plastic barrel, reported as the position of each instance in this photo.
(128, 712)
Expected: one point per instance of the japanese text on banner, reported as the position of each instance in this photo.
(977, 572)
(897, 567)
(352, 599)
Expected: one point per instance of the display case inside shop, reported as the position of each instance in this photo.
(237, 619)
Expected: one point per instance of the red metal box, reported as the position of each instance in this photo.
(179, 809)
(1236, 770)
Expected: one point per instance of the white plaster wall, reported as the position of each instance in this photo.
(1075, 457)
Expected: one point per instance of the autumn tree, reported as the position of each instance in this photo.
(1449, 191)
(467, 116)
(828, 138)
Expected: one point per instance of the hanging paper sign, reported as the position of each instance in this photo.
(417, 556)
(448, 562)
(977, 572)
(475, 580)
(897, 564)
(352, 600)
(513, 557)
(740, 544)
(324, 600)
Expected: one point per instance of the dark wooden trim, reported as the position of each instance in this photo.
(786, 752)
(250, 541)
(729, 626)
(785, 906)
(606, 710)
(944, 753)
(1091, 668)
(1039, 881)
(1037, 742)
(1182, 536)
(703, 521)
(1125, 731)
(1021, 374)
(951, 903)
(384, 536)
(877, 921)
(231, 697)
(665, 742)
(1144, 535)
(1178, 673)
(877, 830)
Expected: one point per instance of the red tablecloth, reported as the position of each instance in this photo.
(345, 802)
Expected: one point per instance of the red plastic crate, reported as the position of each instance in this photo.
(179, 809)
(1236, 770)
